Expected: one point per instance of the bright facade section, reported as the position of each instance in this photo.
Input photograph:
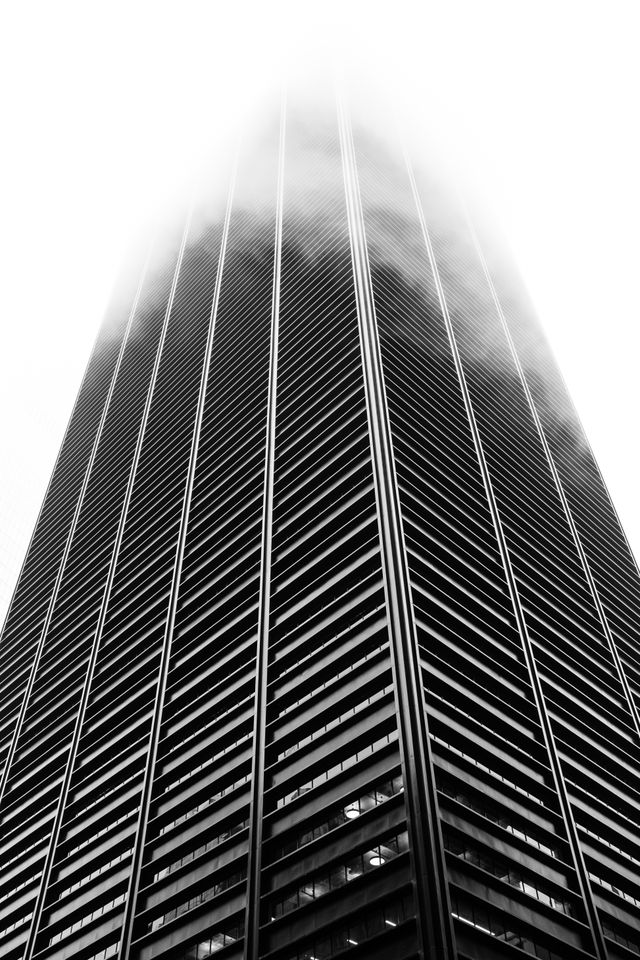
(327, 640)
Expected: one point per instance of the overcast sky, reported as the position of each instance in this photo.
(103, 104)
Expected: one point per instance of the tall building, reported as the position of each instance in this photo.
(327, 640)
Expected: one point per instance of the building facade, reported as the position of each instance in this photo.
(327, 639)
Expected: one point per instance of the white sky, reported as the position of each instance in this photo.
(103, 102)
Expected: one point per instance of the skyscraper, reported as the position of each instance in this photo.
(326, 642)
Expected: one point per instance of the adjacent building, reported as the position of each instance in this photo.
(327, 640)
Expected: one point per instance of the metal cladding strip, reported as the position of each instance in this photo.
(554, 759)
(163, 671)
(432, 892)
(53, 473)
(254, 866)
(67, 547)
(585, 441)
(66, 783)
(559, 487)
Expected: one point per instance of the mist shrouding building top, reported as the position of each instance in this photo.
(326, 643)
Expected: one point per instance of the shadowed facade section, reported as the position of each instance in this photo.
(326, 641)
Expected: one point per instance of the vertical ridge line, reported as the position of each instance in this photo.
(584, 561)
(527, 646)
(93, 658)
(254, 866)
(431, 887)
(72, 529)
(55, 465)
(163, 670)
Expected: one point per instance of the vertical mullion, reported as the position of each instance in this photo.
(433, 912)
(254, 866)
(527, 646)
(46, 873)
(163, 670)
(57, 461)
(67, 548)
(635, 717)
